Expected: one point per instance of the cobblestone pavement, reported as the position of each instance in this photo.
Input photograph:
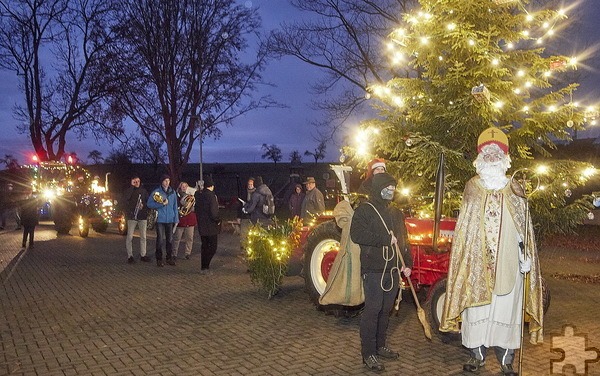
(73, 306)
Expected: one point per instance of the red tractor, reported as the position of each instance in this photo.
(320, 242)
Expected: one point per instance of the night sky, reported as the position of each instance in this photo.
(289, 128)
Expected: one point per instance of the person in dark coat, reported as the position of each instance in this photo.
(380, 231)
(135, 200)
(30, 217)
(209, 223)
(295, 202)
(314, 201)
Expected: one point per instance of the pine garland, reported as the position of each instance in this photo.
(268, 250)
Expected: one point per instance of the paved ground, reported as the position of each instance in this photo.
(72, 306)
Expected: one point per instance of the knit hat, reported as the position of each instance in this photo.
(493, 135)
(310, 179)
(208, 181)
(373, 164)
(164, 176)
(258, 181)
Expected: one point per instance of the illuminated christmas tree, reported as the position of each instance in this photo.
(463, 66)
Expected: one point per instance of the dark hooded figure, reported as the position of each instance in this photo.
(379, 230)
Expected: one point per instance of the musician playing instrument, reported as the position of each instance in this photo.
(187, 220)
(136, 214)
(164, 200)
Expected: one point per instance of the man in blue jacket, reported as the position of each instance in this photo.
(164, 200)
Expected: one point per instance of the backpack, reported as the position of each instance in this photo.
(269, 205)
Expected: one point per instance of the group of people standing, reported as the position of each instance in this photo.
(303, 202)
(178, 213)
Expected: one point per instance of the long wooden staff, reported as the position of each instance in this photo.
(420, 311)
(528, 190)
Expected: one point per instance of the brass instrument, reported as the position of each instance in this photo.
(158, 197)
(138, 206)
(187, 205)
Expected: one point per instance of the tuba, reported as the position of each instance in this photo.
(187, 205)
(158, 198)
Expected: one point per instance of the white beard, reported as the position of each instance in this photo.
(493, 177)
(492, 174)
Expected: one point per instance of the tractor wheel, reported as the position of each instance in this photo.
(62, 228)
(433, 309)
(62, 224)
(100, 226)
(321, 248)
(84, 227)
(122, 225)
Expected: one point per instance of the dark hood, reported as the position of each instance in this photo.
(264, 190)
(379, 182)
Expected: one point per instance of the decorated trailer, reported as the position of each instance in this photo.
(70, 196)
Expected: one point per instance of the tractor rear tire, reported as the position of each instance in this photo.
(320, 250)
(100, 226)
(433, 309)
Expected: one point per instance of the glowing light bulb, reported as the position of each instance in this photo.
(398, 101)
(573, 61)
(542, 169)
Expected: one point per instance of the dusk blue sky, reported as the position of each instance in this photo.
(289, 128)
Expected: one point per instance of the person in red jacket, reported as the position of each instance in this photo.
(187, 220)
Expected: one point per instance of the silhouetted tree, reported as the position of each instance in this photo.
(318, 153)
(181, 72)
(95, 156)
(295, 157)
(272, 152)
(10, 162)
(60, 51)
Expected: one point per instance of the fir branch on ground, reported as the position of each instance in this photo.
(268, 250)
